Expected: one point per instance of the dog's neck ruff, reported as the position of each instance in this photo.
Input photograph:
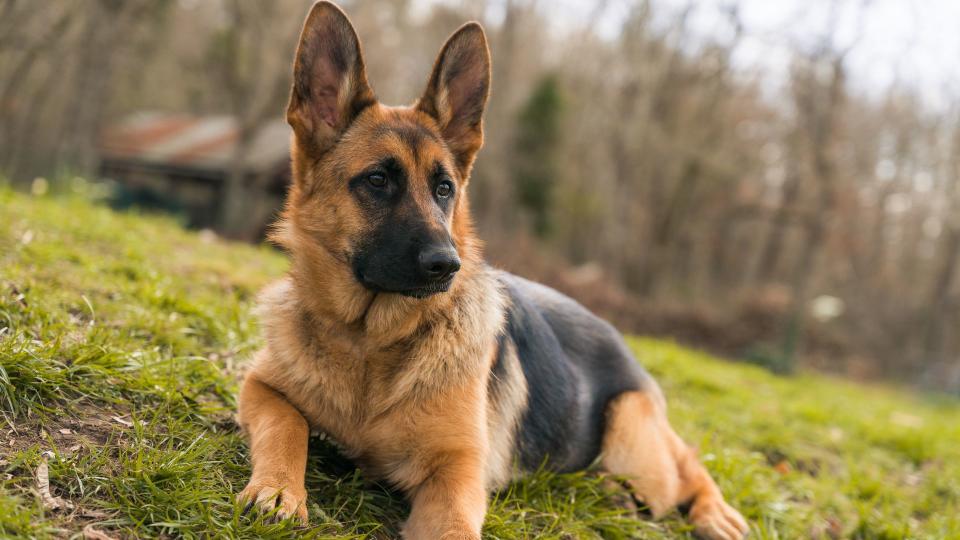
(395, 332)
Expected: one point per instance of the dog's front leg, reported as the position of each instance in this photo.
(449, 497)
(278, 436)
(451, 503)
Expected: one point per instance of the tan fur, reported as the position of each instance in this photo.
(402, 383)
(278, 444)
(662, 470)
(504, 411)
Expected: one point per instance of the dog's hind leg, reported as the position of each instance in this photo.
(661, 469)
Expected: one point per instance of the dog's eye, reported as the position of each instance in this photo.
(444, 189)
(377, 180)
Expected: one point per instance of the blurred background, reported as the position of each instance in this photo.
(777, 182)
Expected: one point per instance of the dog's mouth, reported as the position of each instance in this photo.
(429, 290)
(421, 292)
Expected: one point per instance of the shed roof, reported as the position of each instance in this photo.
(197, 142)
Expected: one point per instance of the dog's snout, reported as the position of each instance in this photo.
(438, 263)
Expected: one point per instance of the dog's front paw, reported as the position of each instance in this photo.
(459, 534)
(714, 519)
(267, 496)
(423, 529)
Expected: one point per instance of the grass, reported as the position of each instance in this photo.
(122, 337)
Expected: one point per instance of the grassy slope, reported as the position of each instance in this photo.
(108, 315)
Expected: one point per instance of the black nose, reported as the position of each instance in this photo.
(438, 263)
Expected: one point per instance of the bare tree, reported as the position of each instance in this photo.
(253, 87)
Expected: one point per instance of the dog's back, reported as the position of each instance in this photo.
(573, 364)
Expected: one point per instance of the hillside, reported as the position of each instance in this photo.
(122, 337)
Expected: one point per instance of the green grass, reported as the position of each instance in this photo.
(123, 337)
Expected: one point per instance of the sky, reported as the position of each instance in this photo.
(912, 43)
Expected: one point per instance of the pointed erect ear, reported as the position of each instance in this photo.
(457, 92)
(329, 81)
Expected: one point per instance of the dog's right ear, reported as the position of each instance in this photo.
(329, 81)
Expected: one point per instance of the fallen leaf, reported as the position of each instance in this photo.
(18, 296)
(913, 479)
(49, 501)
(121, 420)
(97, 514)
(906, 419)
(835, 529)
(65, 432)
(90, 533)
(207, 236)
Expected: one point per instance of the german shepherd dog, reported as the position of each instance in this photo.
(433, 371)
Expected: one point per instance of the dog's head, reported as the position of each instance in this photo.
(379, 193)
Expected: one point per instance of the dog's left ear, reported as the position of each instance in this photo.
(457, 92)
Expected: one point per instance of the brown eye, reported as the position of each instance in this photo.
(377, 180)
(444, 189)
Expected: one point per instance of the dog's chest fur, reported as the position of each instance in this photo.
(378, 394)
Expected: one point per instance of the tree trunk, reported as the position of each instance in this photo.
(939, 300)
(666, 228)
(234, 203)
(773, 245)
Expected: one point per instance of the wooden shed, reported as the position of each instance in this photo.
(181, 163)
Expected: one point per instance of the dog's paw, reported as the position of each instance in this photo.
(714, 519)
(267, 496)
(460, 535)
(426, 529)
(456, 534)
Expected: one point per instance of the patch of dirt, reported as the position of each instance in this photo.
(84, 428)
(85, 425)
